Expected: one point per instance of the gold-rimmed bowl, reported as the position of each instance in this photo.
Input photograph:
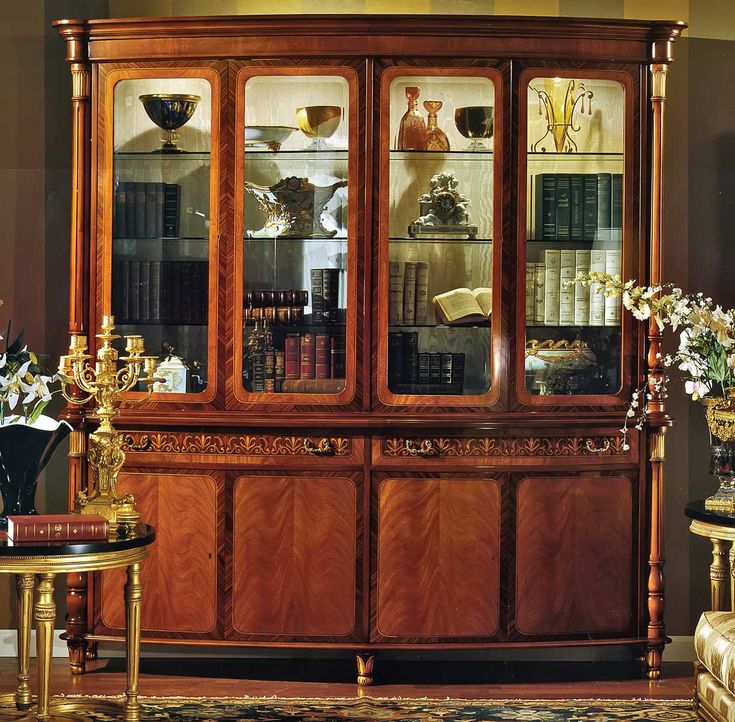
(319, 122)
(169, 111)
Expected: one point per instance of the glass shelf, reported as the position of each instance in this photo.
(434, 155)
(441, 326)
(153, 155)
(317, 155)
(584, 244)
(571, 156)
(175, 239)
(158, 324)
(300, 239)
(596, 329)
(461, 241)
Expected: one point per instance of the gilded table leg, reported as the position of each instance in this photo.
(24, 588)
(719, 574)
(133, 598)
(45, 615)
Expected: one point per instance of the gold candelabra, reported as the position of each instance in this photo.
(560, 106)
(106, 383)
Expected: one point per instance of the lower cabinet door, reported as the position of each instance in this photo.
(574, 559)
(296, 556)
(436, 558)
(180, 574)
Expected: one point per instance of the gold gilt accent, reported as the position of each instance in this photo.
(77, 444)
(105, 384)
(80, 81)
(365, 663)
(658, 80)
(494, 447)
(242, 444)
(657, 447)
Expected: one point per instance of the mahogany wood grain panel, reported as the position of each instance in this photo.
(574, 554)
(180, 574)
(294, 555)
(438, 548)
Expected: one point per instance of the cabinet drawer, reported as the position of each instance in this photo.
(506, 450)
(228, 449)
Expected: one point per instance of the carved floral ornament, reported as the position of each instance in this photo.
(243, 444)
(503, 447)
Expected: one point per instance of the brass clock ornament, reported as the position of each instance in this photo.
(443, 211)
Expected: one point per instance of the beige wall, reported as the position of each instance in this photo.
(700, 145)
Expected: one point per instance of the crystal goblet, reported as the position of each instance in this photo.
(475, 122)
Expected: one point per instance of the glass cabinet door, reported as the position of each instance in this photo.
(161, 223)
(575, 180)
(439, 207)
(295, 227)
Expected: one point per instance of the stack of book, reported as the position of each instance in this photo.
(408, 293)
(549, 302)
(160, 292)
(308, 363)
(411, 371)
(325, 295)
(577, 206)
(146, 210)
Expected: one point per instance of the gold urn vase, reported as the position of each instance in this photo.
(721, 422)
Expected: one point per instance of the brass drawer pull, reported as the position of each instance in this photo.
(323, 448)
(601, 449)
(424, 449)
(144, 445)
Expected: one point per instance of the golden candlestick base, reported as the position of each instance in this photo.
(106, 384)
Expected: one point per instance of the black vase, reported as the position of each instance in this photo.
(24, 452)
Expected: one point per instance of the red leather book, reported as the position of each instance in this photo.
(308, 356)
(57, 527)
(323, 356)
(292, 356)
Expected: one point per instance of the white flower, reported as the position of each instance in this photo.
(696, 389)
(642, 313)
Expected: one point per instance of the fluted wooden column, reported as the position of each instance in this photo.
(75, 33)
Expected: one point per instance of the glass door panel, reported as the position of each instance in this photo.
(162, 140)
(297, 235)
(575, 163)
(438, 286)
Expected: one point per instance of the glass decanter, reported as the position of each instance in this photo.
(436, 138)
(412, 133)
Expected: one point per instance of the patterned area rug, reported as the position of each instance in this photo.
(364, 709)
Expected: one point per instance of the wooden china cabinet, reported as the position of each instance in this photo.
(347, 459)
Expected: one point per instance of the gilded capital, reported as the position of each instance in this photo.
(658, 81)
(657, 447)
(80, 81)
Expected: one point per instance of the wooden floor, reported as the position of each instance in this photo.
(334, 678)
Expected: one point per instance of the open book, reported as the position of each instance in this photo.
(464, 305)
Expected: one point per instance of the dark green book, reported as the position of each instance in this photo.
(589, 213)
(616, 207)
(576, 208)
(411, 357)
(563, 207)
(604, 192)
(545, 193)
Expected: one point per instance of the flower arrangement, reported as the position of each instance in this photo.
(24, 382)
(706, 353)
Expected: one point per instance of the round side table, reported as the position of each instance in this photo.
(43, 561)
(719, 528)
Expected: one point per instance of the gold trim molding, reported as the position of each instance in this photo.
(81, 86)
